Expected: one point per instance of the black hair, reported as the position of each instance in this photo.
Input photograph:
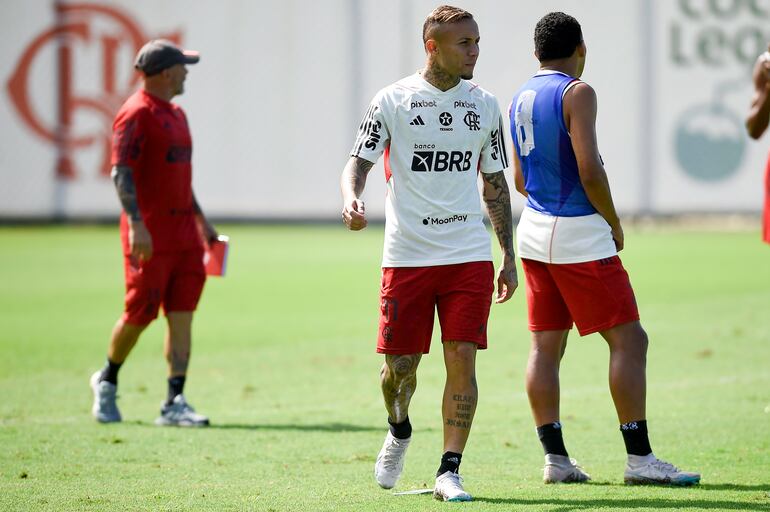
(556, 36)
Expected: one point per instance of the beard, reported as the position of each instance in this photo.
(467, 76)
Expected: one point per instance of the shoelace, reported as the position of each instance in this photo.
(391, 457)
(454, 482)
(665, 466)
(456, 479)
(108, 395)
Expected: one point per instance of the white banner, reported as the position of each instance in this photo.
(276, 99)
(704, 53)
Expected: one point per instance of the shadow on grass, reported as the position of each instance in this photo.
(705, 487)
(566, 505)
(318, 427)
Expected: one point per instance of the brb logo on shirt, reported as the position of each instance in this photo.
(440, 161)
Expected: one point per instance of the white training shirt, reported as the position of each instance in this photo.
(434, 142)
(561, 240)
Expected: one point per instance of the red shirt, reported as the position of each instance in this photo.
(152, 137)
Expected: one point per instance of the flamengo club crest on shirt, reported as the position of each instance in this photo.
(81, 31)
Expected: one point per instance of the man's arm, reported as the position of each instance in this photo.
(580, 117)
(518, 176)
(139, 239)
(498, 201)
(209, 233)
(759, 113)
(352, 183)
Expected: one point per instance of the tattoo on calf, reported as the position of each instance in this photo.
(399, 381)
(465, 407)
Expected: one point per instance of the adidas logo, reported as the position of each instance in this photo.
(417, 121)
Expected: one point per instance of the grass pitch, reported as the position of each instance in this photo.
(284, 364)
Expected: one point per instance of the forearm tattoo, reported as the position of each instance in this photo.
(123, 177)
(498, 200)
(355, 174)
(399, 381)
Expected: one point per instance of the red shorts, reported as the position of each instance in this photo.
(409, 297)
(766, 217)
(171, 279)
(596, 295)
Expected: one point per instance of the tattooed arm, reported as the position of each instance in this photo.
(209, 233)
(498, 201)
(139, 239)
(352, 185)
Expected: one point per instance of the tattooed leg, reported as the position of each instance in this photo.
(398, 378)
(178, 340)
(460, 393)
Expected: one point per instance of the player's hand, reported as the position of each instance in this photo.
(507, 280)
(139, 240)
(354, 215)
(617, 236)
(763, 64)
(210, 234)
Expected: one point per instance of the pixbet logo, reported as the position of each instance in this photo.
(422, 104)
(465, 104)
(81, 31)
(440, 161)
(446, 220)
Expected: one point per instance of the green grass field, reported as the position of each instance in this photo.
(284, 364)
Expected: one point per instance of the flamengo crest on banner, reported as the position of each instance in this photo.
(80, 29)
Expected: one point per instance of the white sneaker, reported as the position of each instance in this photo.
(651, 470)
(562, 469)
(105, 409)
(390, 461)
(449, 487)
(180, 414)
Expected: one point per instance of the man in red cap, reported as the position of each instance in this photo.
(160, 227)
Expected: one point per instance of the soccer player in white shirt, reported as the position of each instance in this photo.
(438, 131)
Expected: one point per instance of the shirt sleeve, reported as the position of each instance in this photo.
(494, 157)
(373, 133)
(128, 137)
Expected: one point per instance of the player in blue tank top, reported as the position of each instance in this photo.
(568, 237)
(548, 163)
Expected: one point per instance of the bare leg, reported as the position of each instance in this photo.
(178, 340)
(543, 374)
(124, 337)
(398, 379)
(460, 393)
(628, 361)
